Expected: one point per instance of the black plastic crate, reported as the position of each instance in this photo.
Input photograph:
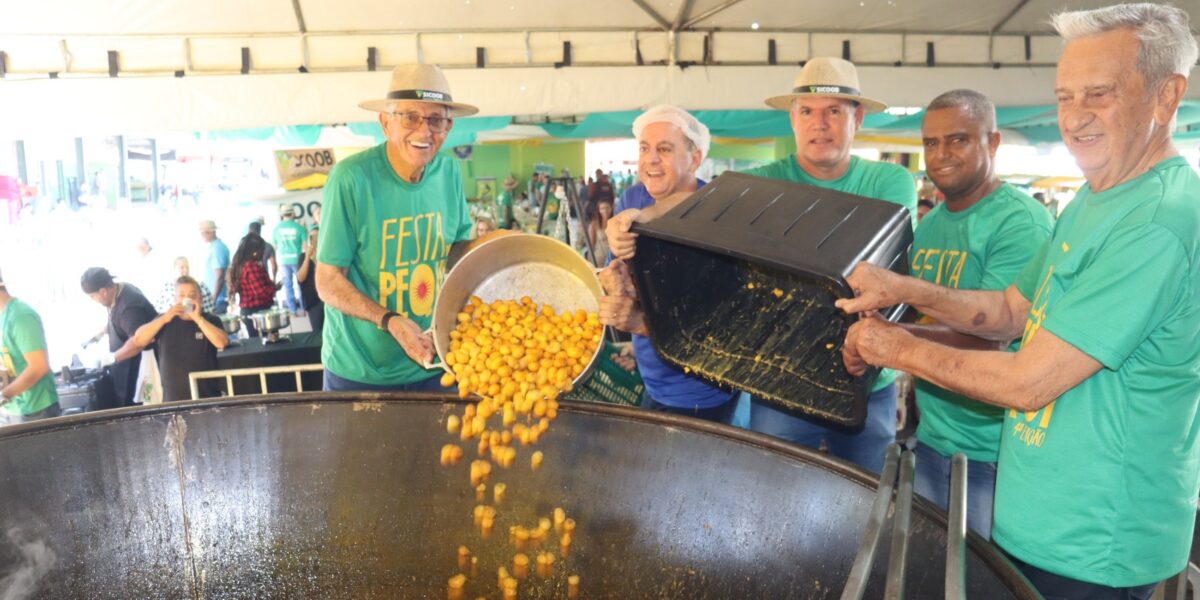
(738, 284)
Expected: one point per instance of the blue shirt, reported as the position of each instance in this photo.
(666, 383)
(218, 258)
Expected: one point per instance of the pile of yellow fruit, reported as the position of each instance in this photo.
(518, 358)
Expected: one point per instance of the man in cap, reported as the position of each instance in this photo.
(289, 238)
(978, 239)
(128, 310)
(826, 109)
(397, 215)
(215, 264)
(27, 391)
(671, 146)
(1099, 467)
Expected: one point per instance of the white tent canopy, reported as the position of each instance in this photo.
(167, 65)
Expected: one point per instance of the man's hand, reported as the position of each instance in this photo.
(417, 345)
(617, 280)
(176, 310)
(622, 312)
(874, 288)
(872, 342)
(622, 242)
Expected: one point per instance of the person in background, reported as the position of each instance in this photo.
(186, 340)
(923, 208)
(166, 293)
(483, 226)
(504, 203)
(248, 282)
(128, 309)
(601, 189)
(671, 146)
(215, 265)
(289, 239)
(595, 231)
(315, 211)
(269, 262)
(306, 275)
(146, 268)
(1099, 466)
(27, 391)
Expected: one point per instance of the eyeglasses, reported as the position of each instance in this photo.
(412, 120)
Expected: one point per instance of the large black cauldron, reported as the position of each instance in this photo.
(342, 496)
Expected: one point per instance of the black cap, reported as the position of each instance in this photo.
(95, 279)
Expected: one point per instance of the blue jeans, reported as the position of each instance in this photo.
(333, 383)
(54, 410)
(865, 448)
(1057, 587)
(720, 413)
(933, 482)
(289, 279)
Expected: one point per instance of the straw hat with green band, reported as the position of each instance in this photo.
(826, 77)
(419, 83)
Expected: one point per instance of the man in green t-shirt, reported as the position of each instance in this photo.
(28, 391)
(289, 237)
(1099, 465)
(978, 239)
(504, 204)
(394, 216)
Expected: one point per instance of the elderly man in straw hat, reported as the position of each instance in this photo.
(671, 146)
(1099, 463)
(394, 216)
(826, 108)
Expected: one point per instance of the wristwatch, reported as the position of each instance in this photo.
(383, 321)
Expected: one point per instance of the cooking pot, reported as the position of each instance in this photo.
(271, 321)
(341, 496)
(509, 267)
(231, 323)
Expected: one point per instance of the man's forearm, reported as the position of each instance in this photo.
(216, 335)
(992, 376)
(220, 285)
(30, 376)
(146, 333)
(335, 290)
(979, 313)
(128, 350)
(946, 336)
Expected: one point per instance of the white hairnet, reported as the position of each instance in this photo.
(665, 113)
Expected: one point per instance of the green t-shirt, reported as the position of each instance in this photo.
(22, 332)
(1101, 484)
(289, 238)
(393, 237)
(504, 209)
(981, 248)
(880, 180)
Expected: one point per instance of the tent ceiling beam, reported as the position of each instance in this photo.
(653, 14)
(685, 10)
(709, 13)
(299, 16)
(1008, 17)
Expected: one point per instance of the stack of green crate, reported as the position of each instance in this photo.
(610, 383)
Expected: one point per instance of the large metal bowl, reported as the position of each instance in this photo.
(336, 496)
(512, 266)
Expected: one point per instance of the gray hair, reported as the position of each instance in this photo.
(1166, 45)
(980, 107)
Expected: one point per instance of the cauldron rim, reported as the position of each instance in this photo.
(988, 553)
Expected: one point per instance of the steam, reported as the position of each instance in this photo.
(36, 560)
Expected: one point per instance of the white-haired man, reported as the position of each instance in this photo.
(671, 146)
(1099, 465)
(394, 216)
